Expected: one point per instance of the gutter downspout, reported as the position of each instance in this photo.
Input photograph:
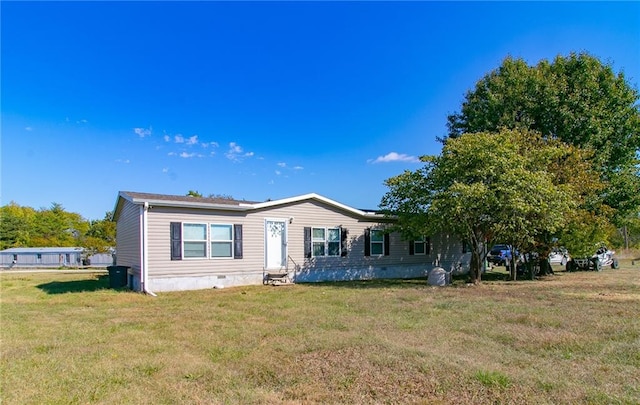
(144, 251)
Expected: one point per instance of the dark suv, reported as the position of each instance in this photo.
(499, 254)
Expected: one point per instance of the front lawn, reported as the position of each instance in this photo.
(568, 338)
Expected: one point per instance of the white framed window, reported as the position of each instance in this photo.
(421, 246)
(318, 241)
(194, 240)
(377, 242)
(205, 240)
(326, 241)
(333, 242)
(221, 240)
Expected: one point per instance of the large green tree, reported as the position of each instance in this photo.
(15, 225)
(576, 99)
(101, 236)
(487, 186)
(53, 227)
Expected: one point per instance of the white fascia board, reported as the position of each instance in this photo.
(314, 196)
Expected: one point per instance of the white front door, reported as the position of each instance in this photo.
(275, 244)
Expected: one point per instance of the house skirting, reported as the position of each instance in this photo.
(316, 275)
(311, 275)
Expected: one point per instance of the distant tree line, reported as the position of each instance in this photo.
(22, 226)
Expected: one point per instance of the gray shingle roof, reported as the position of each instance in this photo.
(185, 198)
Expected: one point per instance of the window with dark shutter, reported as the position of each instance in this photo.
(343, 242)
(386, 244)
(307, 242)
(237, 241)
(367, 242)
(421, 246)
(176, 240)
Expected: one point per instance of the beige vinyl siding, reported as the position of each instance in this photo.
(308, 213)
(159, 244)
(128, 240)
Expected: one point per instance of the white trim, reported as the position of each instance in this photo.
(242, 206)
(314, 196)
(144, 256)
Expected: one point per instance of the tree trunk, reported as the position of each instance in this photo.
(626, 237)
(475, 270)
(512, 269)
(545, 267)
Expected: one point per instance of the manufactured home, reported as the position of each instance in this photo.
(171, 243)
(52, 257)
(39, 257)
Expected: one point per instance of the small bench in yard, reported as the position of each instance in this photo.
(277, 278)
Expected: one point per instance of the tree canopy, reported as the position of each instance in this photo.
(505, 186)
(576, 99)
(53, 227)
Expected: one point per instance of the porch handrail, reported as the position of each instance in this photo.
(296, 266)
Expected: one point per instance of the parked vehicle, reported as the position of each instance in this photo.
(602, 258)
(559, 256)
(499, 254)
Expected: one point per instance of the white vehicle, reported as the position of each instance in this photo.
(559, 256)
(602, 258)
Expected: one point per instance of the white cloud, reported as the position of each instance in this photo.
(394, 157)
(298, 168)
(167, 138)
(282, 164)
(192, 140)
(126, 161)
(278, 173)
(179, 138)
(165, 170)
(28, 129)
(141, 132)
(171, 154)
(235, 148)
(187, 155)
(236, 153)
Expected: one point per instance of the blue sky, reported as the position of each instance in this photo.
(258, 100)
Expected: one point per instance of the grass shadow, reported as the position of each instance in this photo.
(101, 282)
(495, 276)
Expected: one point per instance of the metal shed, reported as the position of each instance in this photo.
(41, 257)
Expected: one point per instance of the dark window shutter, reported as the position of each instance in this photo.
(237, 241)
(367, 242)
(411, 247)
(176, 241)
(428, 243)
(307, 242)
(343, 242)
(386, 244)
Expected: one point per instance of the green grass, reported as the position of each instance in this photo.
(568, 338)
